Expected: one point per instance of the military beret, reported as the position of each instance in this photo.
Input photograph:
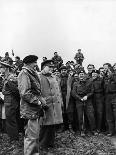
(63, 67)
(81, 71)
(95, 71)
(30, 59)
(47, 63)
(5, 64)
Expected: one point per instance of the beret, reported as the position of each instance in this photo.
(63, 67)
(47, 63)
(30, 59)
(95, 71)
(81, 71)
(5, 64)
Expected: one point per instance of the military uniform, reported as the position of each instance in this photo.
(98, 100)
(110, 101)
(12, 103)
(63, 85)
(81, 89)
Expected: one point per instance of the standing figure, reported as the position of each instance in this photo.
(50, 91)
(98, 98)
(82, 92)
(110, 99)
(79, 57)
(11, 100)
(57, 60)
(63, 86)
(31, 104)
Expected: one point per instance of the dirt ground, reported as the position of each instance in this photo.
(67, 143)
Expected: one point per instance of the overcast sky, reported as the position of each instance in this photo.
(42, 27)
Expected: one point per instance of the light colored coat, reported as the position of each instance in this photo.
(51, 92)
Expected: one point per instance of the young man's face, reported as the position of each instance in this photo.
(94, 75)
(81, 76)
(63, 71)
(90, 68)
(76, 76)
(105, 68)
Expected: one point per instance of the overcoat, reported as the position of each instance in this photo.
(51, 92)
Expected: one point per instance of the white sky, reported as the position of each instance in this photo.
(42, 27)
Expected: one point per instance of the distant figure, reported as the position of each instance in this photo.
(11, 101)
(57, 60)
(7, 59)
(79, 57)
(44, 59)
(18, 64)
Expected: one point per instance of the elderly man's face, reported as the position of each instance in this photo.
(34, 65)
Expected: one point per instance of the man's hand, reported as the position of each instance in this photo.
(84, 98)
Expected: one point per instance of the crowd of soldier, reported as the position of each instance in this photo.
(89, 99)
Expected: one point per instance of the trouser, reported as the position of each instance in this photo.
(65, 115)
(114, 112)
(89, 111)
(11, 122)
(98, 108)
(109, 113)
(47, 136)
(31, 139)
(3, 125)
(72, 114)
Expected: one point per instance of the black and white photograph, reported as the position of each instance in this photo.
(57, 77)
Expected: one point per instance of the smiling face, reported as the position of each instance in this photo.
(106, 67)
(81, 76)
(94, 75)
(90, 68)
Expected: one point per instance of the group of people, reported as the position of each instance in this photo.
(56, 98)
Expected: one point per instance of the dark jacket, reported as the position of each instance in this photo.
(81, 89)
(63, 83)
(98, 85)
(30, 93)
(10, 91)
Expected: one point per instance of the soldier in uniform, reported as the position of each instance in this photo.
(18, 64)
(50, 91)
(31, 104)
(90, 68)
(79, 57)
(82, 92)
(57, 60)
(109, 97)
(63, 86)
(11, 100)
(98, 98)
(7, 59)
(110, 100)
